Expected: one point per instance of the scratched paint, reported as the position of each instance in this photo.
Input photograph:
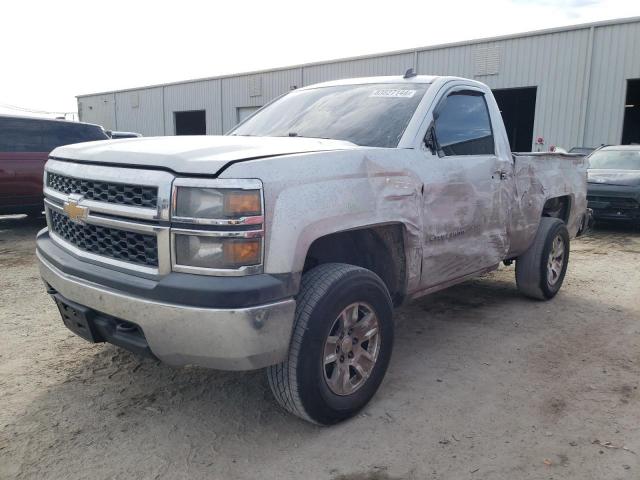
(454, 224)
(460, 215)
(540, 177)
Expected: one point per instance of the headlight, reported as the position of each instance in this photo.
(217, 252)
(226, 236)
(197, 205)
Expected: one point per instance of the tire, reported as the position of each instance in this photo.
(307, 386)
(534, 273)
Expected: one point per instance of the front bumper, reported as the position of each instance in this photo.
(614, 202)
(226, 339)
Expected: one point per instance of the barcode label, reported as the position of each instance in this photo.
(393, 93)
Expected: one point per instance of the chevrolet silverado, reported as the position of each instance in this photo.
(287, 243)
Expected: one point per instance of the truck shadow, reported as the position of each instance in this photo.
(104, 394)
(21, 223)
(610, 238)
(449, 346)
(615, 227)
(17, 239)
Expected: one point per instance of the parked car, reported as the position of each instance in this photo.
(118, 135)
(25, 144)
(288, 243)
(614, 183)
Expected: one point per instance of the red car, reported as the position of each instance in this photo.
(25, 144)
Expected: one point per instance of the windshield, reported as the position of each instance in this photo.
(373, 115)
(616, 159)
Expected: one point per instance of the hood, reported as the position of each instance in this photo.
(627, 178)
(204, 154)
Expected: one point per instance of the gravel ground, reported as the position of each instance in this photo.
(483, 384)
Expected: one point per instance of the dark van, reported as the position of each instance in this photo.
(25, 144)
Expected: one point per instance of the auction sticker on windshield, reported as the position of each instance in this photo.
(393, 93)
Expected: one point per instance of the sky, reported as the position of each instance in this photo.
(51, 51)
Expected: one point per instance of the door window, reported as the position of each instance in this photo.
(463, 125)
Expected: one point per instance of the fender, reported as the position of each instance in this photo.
(318, 194)
(536, 183)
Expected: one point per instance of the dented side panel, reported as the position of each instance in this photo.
(313, 195)
(467, 199)
(458, 217)
(464, 216)
(538, 178)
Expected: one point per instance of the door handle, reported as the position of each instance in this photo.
(503, 174)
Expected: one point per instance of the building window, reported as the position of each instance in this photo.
(631, 128)
(193, 122)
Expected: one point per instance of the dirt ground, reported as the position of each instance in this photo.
(483, 384)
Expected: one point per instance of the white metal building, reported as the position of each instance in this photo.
(573, 86)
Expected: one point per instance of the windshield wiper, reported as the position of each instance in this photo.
(296, 134)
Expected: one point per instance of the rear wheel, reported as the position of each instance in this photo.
(341, 344)
(541, 269)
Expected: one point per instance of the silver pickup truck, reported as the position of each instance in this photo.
(287, 243)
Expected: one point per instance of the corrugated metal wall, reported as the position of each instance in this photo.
(140, 111)
(616, 59)
(255, 91)
(554, 63)
(204, 95)
(382, 65)
(580, 75)
(99, 109)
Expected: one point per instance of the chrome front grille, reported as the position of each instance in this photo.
(124, 216)
(114, 243)
(107, 192)
(129, 228)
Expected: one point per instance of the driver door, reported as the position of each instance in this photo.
(464, 218)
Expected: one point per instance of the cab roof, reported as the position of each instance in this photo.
(395, 79)
(368, 80)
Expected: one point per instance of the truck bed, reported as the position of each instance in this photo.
(540, 176)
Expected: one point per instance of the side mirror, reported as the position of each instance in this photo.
(430, 140)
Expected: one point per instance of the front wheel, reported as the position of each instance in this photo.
(340, 347)
(541, 269)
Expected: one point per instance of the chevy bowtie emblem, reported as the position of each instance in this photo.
(75, 212)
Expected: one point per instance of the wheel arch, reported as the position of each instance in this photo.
(380, 248)
(558, 207)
